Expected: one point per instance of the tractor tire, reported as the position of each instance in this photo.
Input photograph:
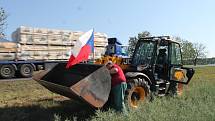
(26, 70)
(7, 71)
(137, 91)
(175, 89)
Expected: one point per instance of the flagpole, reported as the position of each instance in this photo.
(93, 56)
(93, 46)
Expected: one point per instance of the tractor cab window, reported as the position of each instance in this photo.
(143, 53)
(110, 49)
(124, 50)
(175, 54)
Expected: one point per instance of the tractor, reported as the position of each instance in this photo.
(154, 69)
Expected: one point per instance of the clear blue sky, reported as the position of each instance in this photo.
(193, 20)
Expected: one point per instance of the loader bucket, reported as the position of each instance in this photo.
(88, 83)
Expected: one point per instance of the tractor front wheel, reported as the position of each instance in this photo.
(175, 89)
(137, 91)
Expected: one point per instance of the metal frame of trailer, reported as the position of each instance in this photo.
(24, 68)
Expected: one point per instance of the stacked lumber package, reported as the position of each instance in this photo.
(46, 44)
(7, 50)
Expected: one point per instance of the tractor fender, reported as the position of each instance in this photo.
(137, 74)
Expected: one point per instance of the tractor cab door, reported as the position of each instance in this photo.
(177, 72)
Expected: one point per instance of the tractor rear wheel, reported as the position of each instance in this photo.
(175, 89)
(137, 91)
(179, 89)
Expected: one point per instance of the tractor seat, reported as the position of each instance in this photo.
(162, 57)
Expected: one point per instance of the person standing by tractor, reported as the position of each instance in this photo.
(118, 87)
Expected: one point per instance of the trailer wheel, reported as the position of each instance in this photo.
(26, 70)
(7, 71)
(137, 91)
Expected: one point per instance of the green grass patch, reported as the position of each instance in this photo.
(28, 101)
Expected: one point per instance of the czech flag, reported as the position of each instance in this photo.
(82, 48)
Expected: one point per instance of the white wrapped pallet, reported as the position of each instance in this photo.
(59, 48)
(7, 45)
(24, 29)
(8, 56)
(99, 51)
(55, 40)
(100, 35)
(54, 32)
(32, 48)
(7, 50)
(100, 44)
(44, 55)
(43, 48)
(100, 39)
(67, 39)
(25, 39)
(40, 41)
(55, 55)
(39, 31)
(32, 55)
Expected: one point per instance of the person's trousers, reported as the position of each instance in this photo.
(118, 93)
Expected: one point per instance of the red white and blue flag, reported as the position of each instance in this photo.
(82, 49)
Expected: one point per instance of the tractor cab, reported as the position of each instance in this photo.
(162, 58)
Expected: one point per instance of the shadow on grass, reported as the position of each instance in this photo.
(47, 110)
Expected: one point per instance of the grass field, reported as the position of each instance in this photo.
(28, 101)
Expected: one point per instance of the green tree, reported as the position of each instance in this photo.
(133, 41)
(191, 51)
(187, 49)
(3, 24)
(199, 52)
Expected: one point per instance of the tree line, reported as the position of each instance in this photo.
(192, 53)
